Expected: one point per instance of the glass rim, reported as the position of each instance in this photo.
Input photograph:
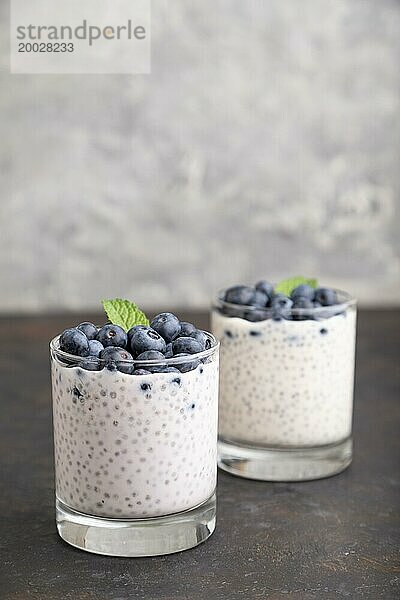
(347, 301)
(174, 360)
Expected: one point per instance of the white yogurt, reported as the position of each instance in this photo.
(286, 383)
(132, 446)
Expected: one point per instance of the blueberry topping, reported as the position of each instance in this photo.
(186, 345)
(186, 329)
(151, 355)
(233, 311)
(303, 303)
(202, 338)
(281, 301)
(167, 325)
(95, 347)
(111, 347)
(169, 352)
(88, 329)
(187, 365)
(281, 306)
(133, 329)
(147, 339)
(240, 294)
(112, 335)
(246, 302)
(303, 291)
(91, 364)
(266, 287)
(117, 358)
(75, 342)
(255, 315)
(115, 353)
(260, 299)
(325, 296)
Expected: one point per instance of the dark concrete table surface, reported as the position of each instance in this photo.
(334, 538)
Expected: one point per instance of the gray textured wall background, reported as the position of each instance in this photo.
(265, 142)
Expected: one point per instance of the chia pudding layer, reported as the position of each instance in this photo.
(135, 446)
(286, 382)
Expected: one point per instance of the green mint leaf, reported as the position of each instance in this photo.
(124, 313)
(286, 286)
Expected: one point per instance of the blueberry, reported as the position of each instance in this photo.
(151, 355)
(240, 294)
(186, 345)
(141, 372)
(112, 335)
(75, 342)
(132, 330)
(88, 329)
(147, 339)
(95, 347)
(266, 287)
(281, 301)
(186, 366)
(233, 311)
(303, 291)
(186, 329)
(202, 338)
(91, 364)
(325, 296)
(171, 370)
(167, 325)
(301, 302)
(323, 331)
(169, 352)
(116, 357)
(256, 315)
(304, 303)
(260, 299)
(281, 306)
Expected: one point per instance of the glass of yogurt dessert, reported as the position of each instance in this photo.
(135, 436)
(286, 380)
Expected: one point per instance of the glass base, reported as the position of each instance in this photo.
(284, 464)
(137, 537)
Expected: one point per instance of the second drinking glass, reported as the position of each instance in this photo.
(286, 388)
